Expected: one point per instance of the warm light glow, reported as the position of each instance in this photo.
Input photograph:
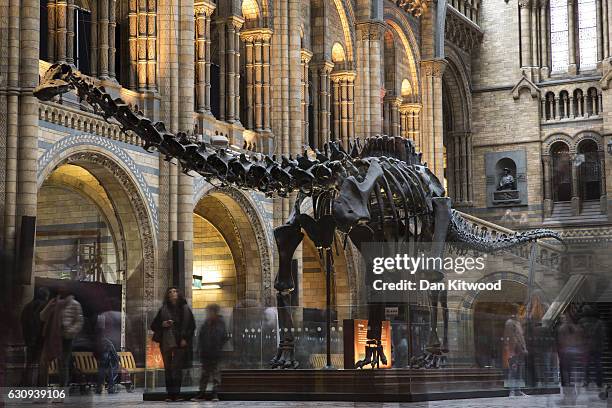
(211, 286)
(250, 10)
(338, 53)
(406, 88)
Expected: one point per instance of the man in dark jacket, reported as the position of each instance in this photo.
(173, 329)
(32, 330)
(211, 339)
(595, 333)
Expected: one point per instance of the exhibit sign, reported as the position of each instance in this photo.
(355, 342)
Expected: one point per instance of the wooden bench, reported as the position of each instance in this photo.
(319, 360)
(128, 363)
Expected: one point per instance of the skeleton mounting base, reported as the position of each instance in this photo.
(375, 191)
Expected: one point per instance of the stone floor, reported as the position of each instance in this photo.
(587, 399)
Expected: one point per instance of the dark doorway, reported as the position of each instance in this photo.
(562, 172)
(589, 170)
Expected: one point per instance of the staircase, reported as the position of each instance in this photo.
(589, 213)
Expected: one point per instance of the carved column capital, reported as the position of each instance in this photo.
(262, 34)
(410, 107)
(204, 7)
(433, 67)
(525, 3)
(305, 56)
(325, 67)
(338, 76)
(370, 30)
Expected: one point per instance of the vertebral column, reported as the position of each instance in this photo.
(203, 10)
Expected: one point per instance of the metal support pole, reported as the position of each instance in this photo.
(328, 265)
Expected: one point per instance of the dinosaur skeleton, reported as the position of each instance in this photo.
(375, 192)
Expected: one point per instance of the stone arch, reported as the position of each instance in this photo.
(347, 24)
(588, 135)
(558, 137)
(456, 108)
(400, 25)
(252, 238)
(119, 184)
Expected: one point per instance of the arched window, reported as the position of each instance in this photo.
(589, 170)
(587, 34)
(562, 172)
(559, 39)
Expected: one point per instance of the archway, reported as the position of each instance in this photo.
(491, 310)
(94, 226)
(589, 175)
(232, 269)
(562, 172)
(457, 140)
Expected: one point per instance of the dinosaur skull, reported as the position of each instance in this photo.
(351, 204)
(54, 82)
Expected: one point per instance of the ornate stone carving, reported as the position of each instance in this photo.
(414, 7)
(434, 67)
(460, 31)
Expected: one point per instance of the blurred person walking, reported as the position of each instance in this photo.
(569, 347)
(594, 330)
(32, 331)
(63, 321)
(108, 363)
(211, 338)
(173, 329)
(514, 351)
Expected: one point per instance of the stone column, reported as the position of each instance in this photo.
(410, 122)
(305, 57)
(143, 44)
(544, 55)
(151, 45)
(257, 67)
(572, 68)
(230, 68)
(547, 163)
(186, 122)
(534, 39)
(93, 49)
(607, 19)
(133, 43)
(370, 77)
(344, 104)
(27, 153)
(70, 32)
(323, 111)
(603, 199)
(391, 125)
(525, 33)
(600, 31)
(103, 30)
(575, 187)
(61, 16)
(432, 125)
(112, 24)
(52, 11)
(203, 11)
